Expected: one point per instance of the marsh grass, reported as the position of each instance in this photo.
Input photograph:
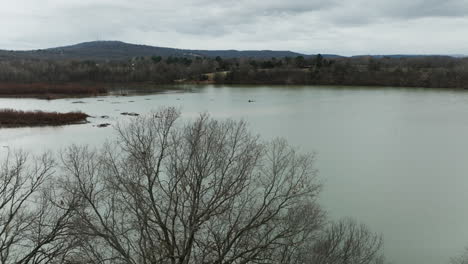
(50, 91)
(15, 118)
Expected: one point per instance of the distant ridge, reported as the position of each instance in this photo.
(117, 50)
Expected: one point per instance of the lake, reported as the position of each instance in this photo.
(395, 159)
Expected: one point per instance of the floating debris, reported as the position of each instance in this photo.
(129, 114)
(103, 125)
(105, 116)
(78, 102)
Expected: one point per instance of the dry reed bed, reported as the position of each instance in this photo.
(50, 91)
(15, 118)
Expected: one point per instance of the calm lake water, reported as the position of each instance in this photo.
(395, 159)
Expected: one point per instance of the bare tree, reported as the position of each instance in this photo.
(347, 242)
(204, 192)
(462, 259)
(32, 225)
(310, 220)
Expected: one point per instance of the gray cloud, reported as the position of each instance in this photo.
(428, 8)
(326, 26)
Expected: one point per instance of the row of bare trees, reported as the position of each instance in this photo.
(401, 71)
(76, 71)
(204, 191)
(424, 71)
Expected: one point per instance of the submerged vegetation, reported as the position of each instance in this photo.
(14, 118)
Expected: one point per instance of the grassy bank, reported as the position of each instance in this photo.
(14, 118)
(50, 91)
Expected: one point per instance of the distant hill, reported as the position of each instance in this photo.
(117, 50)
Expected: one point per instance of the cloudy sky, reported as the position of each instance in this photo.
(345, 27)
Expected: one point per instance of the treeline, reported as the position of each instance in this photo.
(417, 71)
(424, 71)
(142, 69)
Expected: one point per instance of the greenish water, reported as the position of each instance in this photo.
(395, 159)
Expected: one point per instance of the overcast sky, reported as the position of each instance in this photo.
(346, 27)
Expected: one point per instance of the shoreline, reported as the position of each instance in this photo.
(44, 91)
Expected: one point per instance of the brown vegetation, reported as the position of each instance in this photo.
(14, 118)
(49, 90)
